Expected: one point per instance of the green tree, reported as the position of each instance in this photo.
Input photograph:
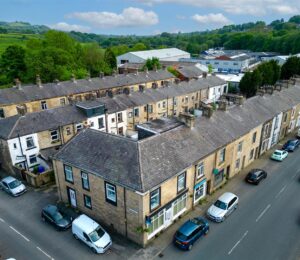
(250, 83)
(139, 47)
(152, 64)
(290, 67)
(12, 63)
(110, 58)
(295, 19)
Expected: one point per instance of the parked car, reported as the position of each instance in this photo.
(190, 232)
(255, 176)
(51, 214)
(12, 186)
(279, 155)
(91, 233)
(291, 145)
(223, 207)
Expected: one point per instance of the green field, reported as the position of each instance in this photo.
(15, 38)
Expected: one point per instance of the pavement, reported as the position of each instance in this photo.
(267, 236)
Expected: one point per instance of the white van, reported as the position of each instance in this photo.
(91, 233)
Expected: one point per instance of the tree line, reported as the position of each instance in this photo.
(56, 56)
(268, 73)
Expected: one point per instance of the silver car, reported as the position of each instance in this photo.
(223, 207)
(12, 186)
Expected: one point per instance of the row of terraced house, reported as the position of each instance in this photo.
(28, 140)
(140, 187)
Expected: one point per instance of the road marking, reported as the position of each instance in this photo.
(237, 243)
(264, 211)
(44, 253)
(19, 234)
(278, 194)
(2, 220)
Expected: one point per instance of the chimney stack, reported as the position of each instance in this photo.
(73, 79)
(18, 84)
(204, 74)
(56, 81)
(38, 81)
(101, 75)
(187, 119)
(223, 105)
(146, 70)
(207, 110)
(88, 76)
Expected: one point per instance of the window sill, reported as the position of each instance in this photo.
(30, 148)
(111, 202)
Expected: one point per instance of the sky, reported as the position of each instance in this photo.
(144, 17)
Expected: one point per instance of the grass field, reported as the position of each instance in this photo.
(15, 38)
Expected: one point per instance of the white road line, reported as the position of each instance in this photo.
(2, 220)
(278, 194)
(19, 234)
(264, 211)
(45, 253)
(237, 243)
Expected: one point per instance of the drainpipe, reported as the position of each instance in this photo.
(133, 118)
(106, 122)
(147, 112)
(26, 165)
(125, 212)
(173, 106)
(167, 106)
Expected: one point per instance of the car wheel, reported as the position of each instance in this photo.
(257, 182)
(94, 250)
(43, 218)
(236, 206)
(75, 236)
(190, 247)
(206, 232)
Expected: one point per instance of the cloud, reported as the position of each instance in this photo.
(130, 17)
(284, 9)
(250, 7)
(211, 19)
(62, 26)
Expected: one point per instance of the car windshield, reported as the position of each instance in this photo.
(14, 184)
(197, 221)
(57, 216)
(181, 236)
(291, 142)
(277, 153)
(220, 204)
(97, 234)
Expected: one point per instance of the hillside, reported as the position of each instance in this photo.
(22, 27)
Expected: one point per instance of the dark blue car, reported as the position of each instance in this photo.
(190, 232)
(291, 145)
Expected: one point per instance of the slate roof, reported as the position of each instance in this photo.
(36, 122)
(65, 88)
(190, 72)
(145, 164)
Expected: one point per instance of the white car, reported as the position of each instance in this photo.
(279, 155)
(223, 207)
(91, 233)
(12, 186)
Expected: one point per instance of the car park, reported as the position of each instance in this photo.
(255, 176)
(190, 232)
(279, 155)
(223, 207)
(91, 233)
(52, 215)
(12, 186)
(291, 145)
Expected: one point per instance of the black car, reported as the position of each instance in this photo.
(255, 176)
(291, 145)
(51, 214)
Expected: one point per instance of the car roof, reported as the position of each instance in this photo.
(256, 171)
(279, 151)
(50, 208)
(226, 197)
(8, 179)
(187, 228)
(85, 223)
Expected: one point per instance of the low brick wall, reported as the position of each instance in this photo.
(35, 180)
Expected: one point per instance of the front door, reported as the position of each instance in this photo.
(72, 197)
(168, 215)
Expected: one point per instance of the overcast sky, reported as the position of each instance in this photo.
(144, 17)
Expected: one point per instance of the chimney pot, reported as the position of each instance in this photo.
(187, 119)
(73, 79)
(38, 81)
(18, 83)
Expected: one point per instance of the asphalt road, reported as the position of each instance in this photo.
(266, 225)
(24, 236)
